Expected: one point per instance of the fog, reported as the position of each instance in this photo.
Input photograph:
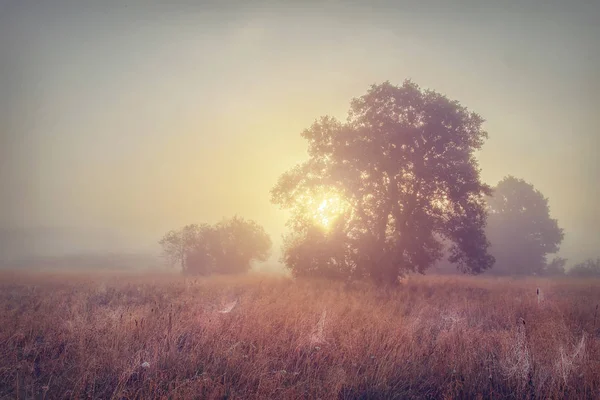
(122, 120)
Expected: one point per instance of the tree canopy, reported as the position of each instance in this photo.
(389, 190)
(229, 246)
(520, 229)
(555, 267)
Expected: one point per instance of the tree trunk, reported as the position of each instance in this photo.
(183, 259)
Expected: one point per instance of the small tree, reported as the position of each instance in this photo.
(177, 244)
(237, 243)
(227, 247)
(201, 257)
(520, 228)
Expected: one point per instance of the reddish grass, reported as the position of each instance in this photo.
(69, 335)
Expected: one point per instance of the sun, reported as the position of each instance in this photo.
(327, 208)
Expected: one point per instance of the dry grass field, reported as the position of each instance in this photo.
(76, 336)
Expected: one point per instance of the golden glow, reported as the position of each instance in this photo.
(326, 208)
(441, 204)
(76, 167)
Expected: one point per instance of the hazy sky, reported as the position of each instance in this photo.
(133, 117)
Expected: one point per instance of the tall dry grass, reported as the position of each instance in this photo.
(69, 335)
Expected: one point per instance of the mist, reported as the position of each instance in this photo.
(120, 121)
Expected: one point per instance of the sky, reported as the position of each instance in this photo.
(122, 120)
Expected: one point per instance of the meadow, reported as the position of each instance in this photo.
(77, 335)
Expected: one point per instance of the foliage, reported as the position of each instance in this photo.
(587, 269)
(520, 228)
(556, 267)
(404, 165)
(229, 246)
(237, 243)
(177, 244)
(317, 253)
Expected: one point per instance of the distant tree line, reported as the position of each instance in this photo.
(393, 189)
(587, 269)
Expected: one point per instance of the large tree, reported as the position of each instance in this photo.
(389, 189)
(229, 246)
(520, 229)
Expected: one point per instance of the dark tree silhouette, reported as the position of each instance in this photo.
(587, 269)
(520, 229)
(556, 267)
(403, 165)
(227, 247)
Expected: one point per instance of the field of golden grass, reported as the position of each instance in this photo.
(69, 335)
